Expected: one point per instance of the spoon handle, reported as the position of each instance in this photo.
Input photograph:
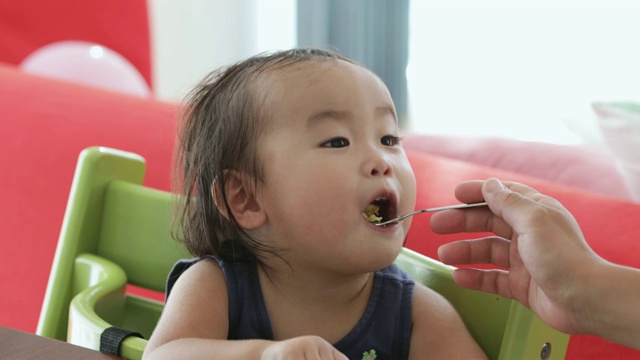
(441, 208)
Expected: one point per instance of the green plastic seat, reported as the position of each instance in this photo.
(116, 234)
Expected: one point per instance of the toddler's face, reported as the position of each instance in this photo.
(329, 150)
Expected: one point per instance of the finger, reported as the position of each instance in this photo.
(326, 351)
(515, 203)
(518, 191)
(469, 191)
(491, 281)
(469, 220)
(506, 199)
(472, 191)
(331, 354)
(518, 198)
(490, 250)
(522, 189)
(338, 355)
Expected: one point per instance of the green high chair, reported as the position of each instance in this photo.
(116, 236)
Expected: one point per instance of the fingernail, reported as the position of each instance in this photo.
(493, 185)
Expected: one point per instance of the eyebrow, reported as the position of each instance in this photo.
(328, 114)
(339, 115)
(388, 109)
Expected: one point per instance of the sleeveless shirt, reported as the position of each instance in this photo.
(383, 331)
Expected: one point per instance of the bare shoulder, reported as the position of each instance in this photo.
(438, 329)
(198, 279)
(197, 308)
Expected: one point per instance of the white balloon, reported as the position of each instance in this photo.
(87, 63)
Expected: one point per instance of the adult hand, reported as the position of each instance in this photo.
(547, 261)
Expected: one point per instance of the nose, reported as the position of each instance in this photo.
(378, 164)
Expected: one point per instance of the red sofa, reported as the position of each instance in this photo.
(46, 123)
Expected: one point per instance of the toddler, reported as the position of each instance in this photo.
(281, 157)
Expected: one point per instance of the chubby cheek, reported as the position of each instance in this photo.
(408, 182)
(409, 191)
(308, 203)
(326, 205)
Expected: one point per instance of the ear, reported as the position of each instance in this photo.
(240, 194)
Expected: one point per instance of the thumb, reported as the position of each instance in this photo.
(512, 203)
(492, 186)
(500, 198)
(496, 195)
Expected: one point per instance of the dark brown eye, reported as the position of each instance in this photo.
(390, 140)
(336, 142)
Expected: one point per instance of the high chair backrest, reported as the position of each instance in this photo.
(116, 234)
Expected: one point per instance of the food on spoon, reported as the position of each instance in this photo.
(371, 214)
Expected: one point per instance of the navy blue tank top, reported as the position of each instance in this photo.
(383, 331)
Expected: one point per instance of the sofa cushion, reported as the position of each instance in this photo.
(588, 168)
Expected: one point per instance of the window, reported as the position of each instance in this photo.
(521, 69)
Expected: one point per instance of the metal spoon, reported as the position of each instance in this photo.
(441, 208)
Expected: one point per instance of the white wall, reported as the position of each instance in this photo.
(190, 38)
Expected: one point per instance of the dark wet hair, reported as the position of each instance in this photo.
(219, 131)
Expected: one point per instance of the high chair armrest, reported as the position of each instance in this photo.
(100, 305)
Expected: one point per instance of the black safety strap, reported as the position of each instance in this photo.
(112, 337)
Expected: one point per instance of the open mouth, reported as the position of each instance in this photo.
(378, 211)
